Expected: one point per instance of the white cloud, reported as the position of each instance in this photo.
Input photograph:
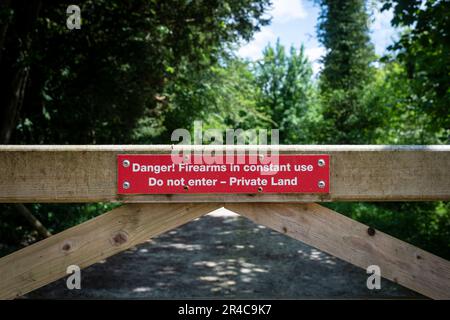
(382, 20)
(314, 54)
(282, 11)
(253, 49)
(287, 10)
(383, 34)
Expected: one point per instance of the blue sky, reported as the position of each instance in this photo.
(294, 22)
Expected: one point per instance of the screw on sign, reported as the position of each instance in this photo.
(126, 163)
(321, 162)
(159, 174)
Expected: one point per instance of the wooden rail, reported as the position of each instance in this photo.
(357, 173)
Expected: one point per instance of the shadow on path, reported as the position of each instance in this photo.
(222, 255)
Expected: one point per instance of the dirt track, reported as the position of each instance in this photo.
(222, 255)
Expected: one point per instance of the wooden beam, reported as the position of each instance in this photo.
(87, 243)
(350, 241)
(358, 173)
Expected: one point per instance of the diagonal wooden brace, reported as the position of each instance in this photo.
(350, 241)
(313, 224)
(87, 243)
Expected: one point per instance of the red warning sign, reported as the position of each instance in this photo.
(160, 174)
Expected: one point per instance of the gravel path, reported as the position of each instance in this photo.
(222, 255)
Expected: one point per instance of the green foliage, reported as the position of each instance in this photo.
(391, 95)
(424, 50)
(224, 96)
(288, 95)
(343, 30)
(275, 92)
(94, 85)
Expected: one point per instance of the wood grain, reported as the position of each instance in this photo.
(350, 241)
(87, 243)
(358, 173)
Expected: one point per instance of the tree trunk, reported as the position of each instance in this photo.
(34, 222)
(15, 45)
(5, 6)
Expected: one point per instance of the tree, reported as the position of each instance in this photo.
(16, 26)
(424, 51)
(343, 30)
(287, 91)
(391, 94)
(93, 85)
(224, 96)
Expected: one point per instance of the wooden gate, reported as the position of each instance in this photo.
(74, 174)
